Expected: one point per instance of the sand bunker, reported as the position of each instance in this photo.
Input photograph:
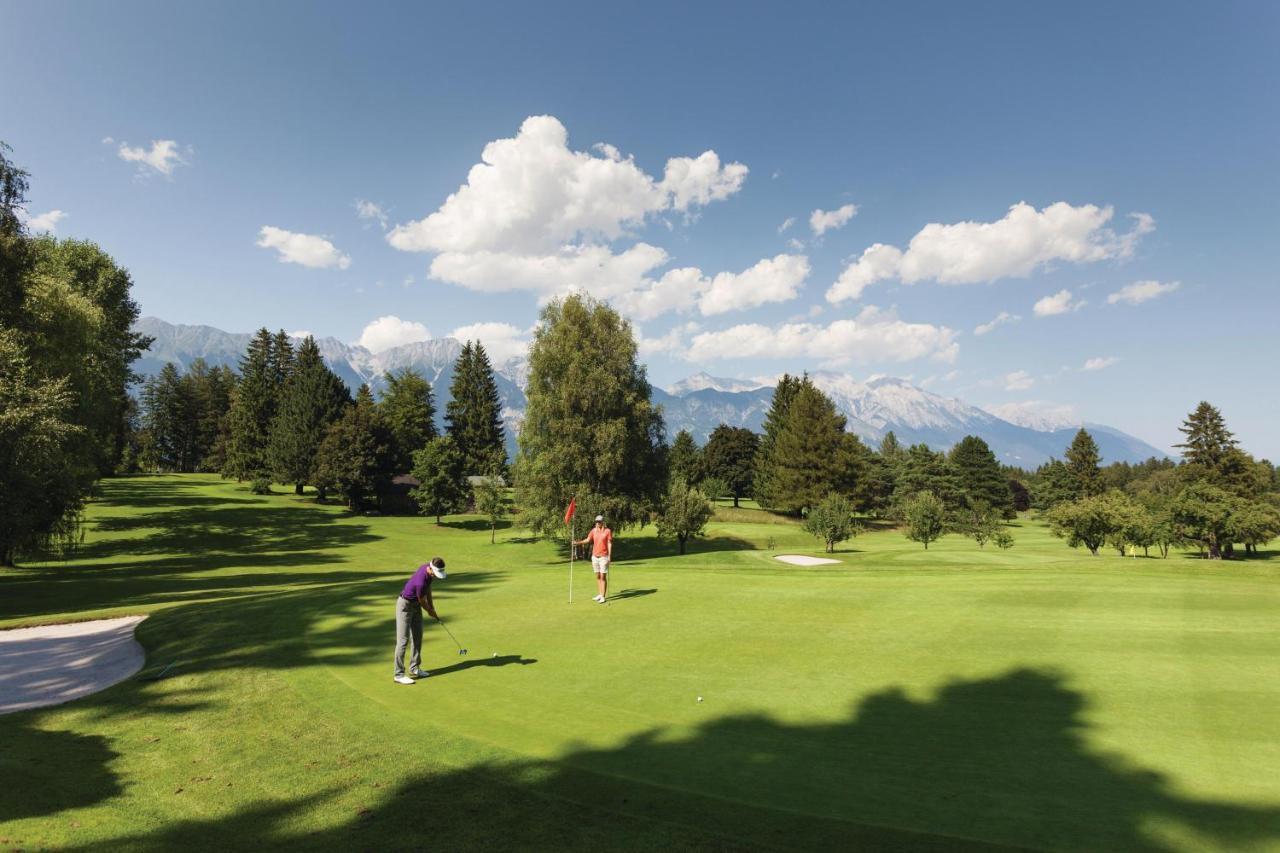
(53, 664)
(800, 560)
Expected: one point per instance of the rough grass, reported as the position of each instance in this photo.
(904, 699)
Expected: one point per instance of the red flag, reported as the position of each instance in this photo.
(568, 513)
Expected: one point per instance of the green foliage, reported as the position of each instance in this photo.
(1207, 516)
(43, 481)
(979, 477)
(409, 410)
(490, 500)
(714, 488)
(1207, 438)
(923, 470)
(762, 481)
(925, 517)
(253, 408)
(1082, 464)
(1003, 540)
(313, 397)
(980, 521)
(590, 426)
(1020, 495)
(684, 459)
(1091, 521)
(473, 416)
(730, 456)
(355, 456)
(832, 521)
(442, 485)
(685, 512)
(1054, 485)
(805, 459)
(170, 422)
(260, 486)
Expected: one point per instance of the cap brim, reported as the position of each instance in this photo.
(440, 574)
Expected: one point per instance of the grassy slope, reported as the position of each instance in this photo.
(903, 699)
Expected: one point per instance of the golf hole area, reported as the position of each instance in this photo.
(52, 664)
(802, 560)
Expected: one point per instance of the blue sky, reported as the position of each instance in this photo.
(1139, 139)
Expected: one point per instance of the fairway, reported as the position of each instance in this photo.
(901, 699)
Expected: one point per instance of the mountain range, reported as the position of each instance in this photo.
(698, 404)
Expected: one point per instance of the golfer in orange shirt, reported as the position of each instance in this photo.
(601, 538)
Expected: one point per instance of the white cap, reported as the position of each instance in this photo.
(437, 571)
(599, 518)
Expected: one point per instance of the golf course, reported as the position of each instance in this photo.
(904, 698)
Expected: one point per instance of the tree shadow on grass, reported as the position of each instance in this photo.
(48, 771)
(990, 763)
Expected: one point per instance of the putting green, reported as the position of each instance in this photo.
(902, 699)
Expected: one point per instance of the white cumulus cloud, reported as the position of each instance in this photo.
(1019, 380)
(309, 250)
(502, 341)
(1023, 241)
(533, 194)
(163, 156)
(43, 223)
(822, 221)
(875, 336)
(1001, 319)
(770, 280)
(1100, 363)
(786, 224)
(1059, 303)
(390, 331)
(1142, 291)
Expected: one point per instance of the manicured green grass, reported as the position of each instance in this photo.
(904, 699)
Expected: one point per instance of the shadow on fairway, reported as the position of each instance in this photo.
(994, 762)
(472, 663)
(631, 593)
(47, 772)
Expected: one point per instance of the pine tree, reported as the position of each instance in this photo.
(980, 478)
(590, 426)
(924, 470)
(1207, 437)
(409, 409)
(473, 415)
(730, 456)
(807, 451)
(684, 460)
(1082, 464)
(170, 417)
(252, 410)
(312, 399)
(783, 393)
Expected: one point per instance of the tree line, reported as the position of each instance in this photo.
(591, 432)
(67, 347)
(285, 417)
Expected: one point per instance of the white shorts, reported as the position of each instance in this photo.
(600, 565)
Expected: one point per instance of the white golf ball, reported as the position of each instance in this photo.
(495, 654)
(699, 698)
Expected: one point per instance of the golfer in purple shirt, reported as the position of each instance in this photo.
(413, 599)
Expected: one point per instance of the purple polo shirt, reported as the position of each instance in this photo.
(417, 585)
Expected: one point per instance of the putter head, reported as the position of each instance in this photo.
(462, 652)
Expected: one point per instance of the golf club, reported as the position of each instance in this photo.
(461, 650)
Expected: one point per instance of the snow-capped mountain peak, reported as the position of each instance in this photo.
(705, 381)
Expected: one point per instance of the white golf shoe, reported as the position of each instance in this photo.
(403, 679)
(597, 598)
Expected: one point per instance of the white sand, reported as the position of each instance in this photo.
(53, 664)
(800, 560)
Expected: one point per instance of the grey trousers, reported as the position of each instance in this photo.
(408, 626)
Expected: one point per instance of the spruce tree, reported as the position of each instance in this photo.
(473, 415)
(807, 451)
(980, 478)
(1208, 442)
(170, 418)
(730, 456)
(590, 427)
(252, 411)
(762, 483)
(1082, 463)
(409, 409)
(923, 470)
(684, 460)
(313, 398)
